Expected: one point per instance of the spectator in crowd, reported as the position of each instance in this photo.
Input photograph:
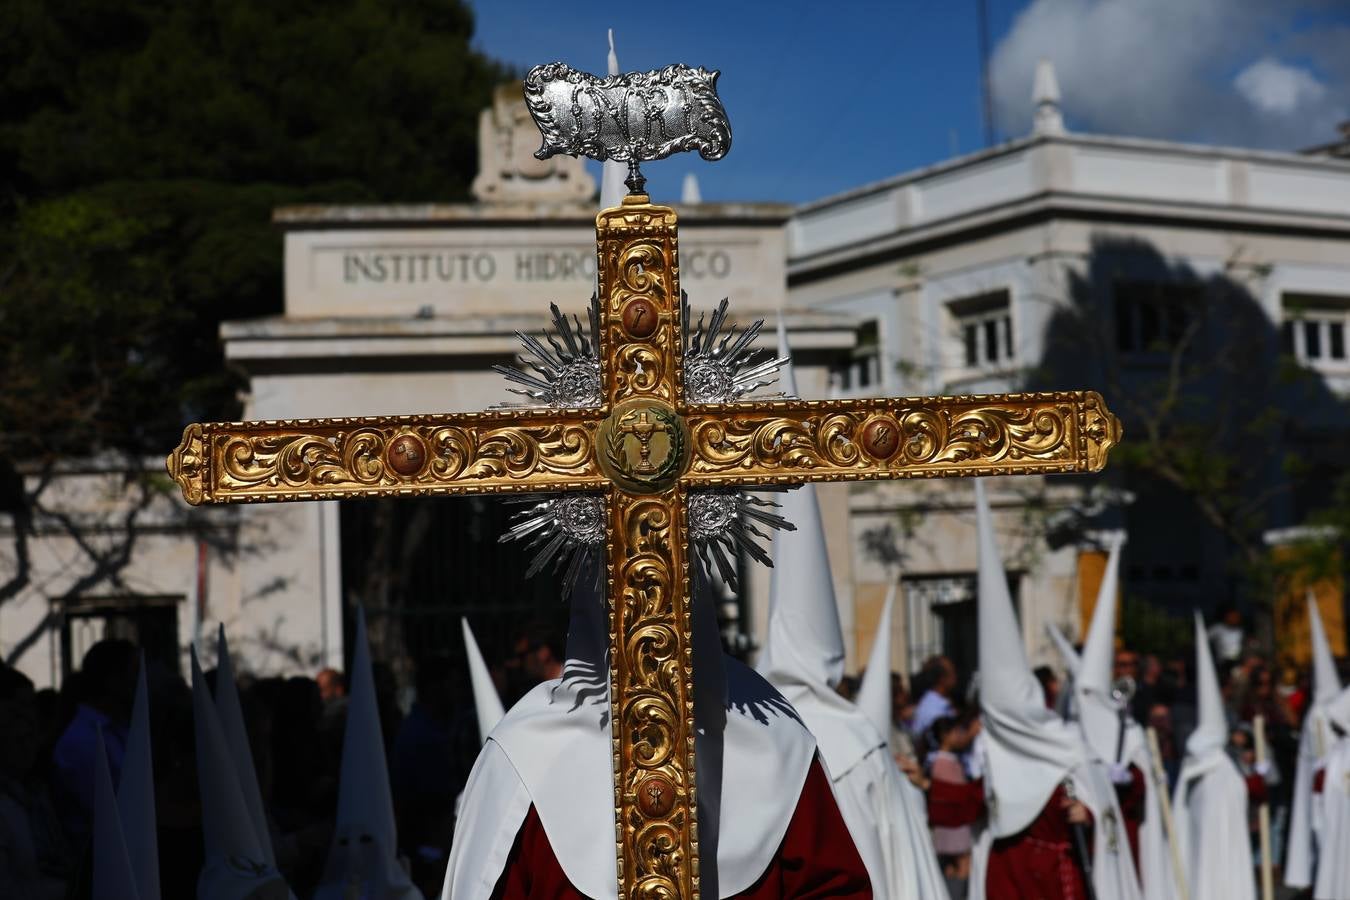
(295, 726)
(936, 701)
(1225, 636)
(539, 652)
(425, 780)
(332, 686)
(35, 858)
(952, 736)
(103, 692)
(1147, 687)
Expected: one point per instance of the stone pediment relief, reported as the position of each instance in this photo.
(507, 169)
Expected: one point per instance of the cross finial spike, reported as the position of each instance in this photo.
(636, 182)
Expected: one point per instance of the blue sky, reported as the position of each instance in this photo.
(826, 96)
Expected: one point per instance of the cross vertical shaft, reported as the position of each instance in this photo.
(651, 649)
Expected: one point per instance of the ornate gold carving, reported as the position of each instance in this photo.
(649, 450)
(651, 663)
(792, 441)
(639, 270)
(652, 695)
(315, 459)
(187, 464)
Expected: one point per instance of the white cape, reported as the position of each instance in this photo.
(1314, 742)
(803, 656)
(553, 750)
(1210, 812)
(1333, 865)
(887, 817)
(1157, 875)
(1210, 809)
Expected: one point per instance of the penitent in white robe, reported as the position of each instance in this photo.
(1314, 742)
(1210, 809)
(1211, 821)
(553, 750)
(803, 657)
(1333, 859)
(1027, 750)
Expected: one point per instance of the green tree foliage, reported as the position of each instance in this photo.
(145, 144)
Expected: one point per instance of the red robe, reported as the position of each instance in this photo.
(817, 857)
(1040, 861)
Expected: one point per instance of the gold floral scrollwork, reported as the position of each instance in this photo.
(813, 441)
(303, 460)
(652, 694)
(642, 269)
(990, 434)
(637, 254)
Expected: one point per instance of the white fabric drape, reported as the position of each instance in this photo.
(553, 750)
(1210, 808)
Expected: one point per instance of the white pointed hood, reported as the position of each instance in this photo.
(363, 858)
(1067, 703)
(803, 652)
(231, 716)
(234, 867)
(804, 642)
(1329, 704)
(1211, 727)
(1097, 712)
(486, 701)
(1325, 682)
(1065, 648)
(1211, 805)
(689, 190)
(1029, 749)
(136, 797)
(112, 876)
(1337, 712)
(612, 189)
(874, 695)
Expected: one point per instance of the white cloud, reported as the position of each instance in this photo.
(1274, 87)
(1165, 68)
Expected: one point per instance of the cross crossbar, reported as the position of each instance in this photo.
(680, 447)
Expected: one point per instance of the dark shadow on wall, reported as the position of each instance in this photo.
(1226, 435)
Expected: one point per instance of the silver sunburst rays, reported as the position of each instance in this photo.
(561, 368)
(720, 372)
(566, 373)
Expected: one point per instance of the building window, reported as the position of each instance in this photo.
(1153, 316)
(1314, 327)
(984, 325)
(862, 369)
(149, 622)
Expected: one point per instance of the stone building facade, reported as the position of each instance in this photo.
(951, 279)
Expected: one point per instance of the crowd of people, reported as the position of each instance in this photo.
(295, 725)
(936, 715)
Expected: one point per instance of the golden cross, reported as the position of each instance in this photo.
(747, 443)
